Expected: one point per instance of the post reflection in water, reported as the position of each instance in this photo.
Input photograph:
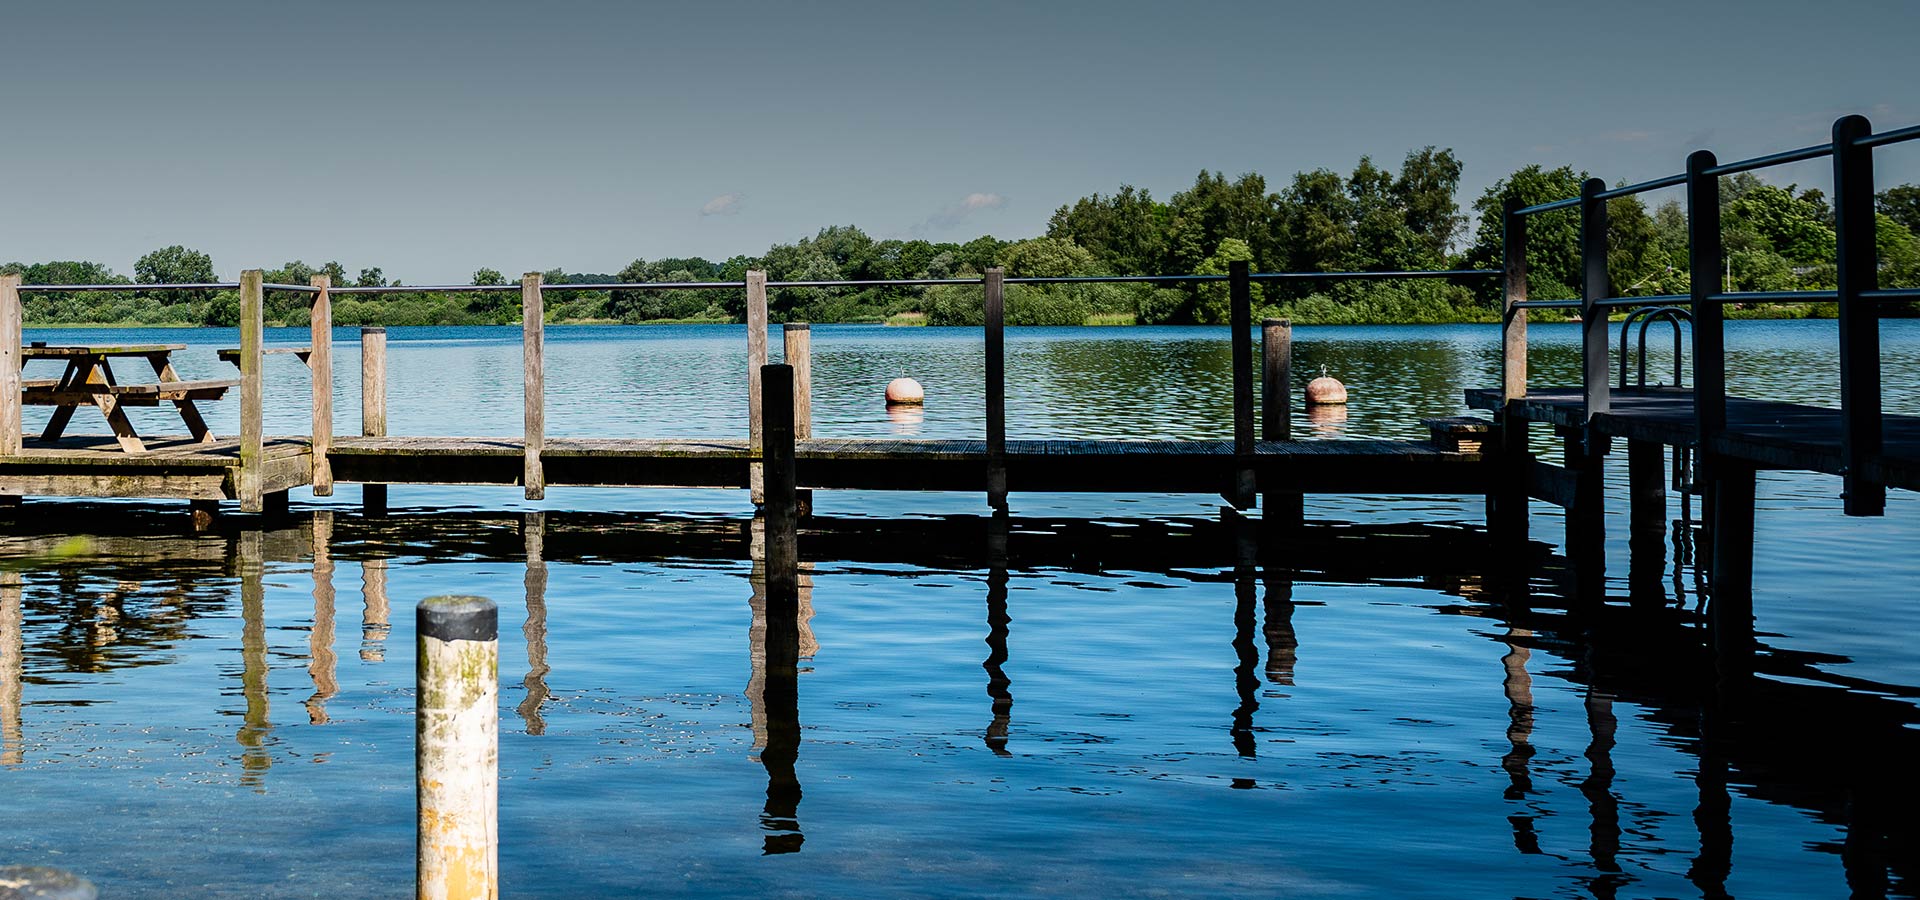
(12, 670)
(373, 618)
(1713, 819)
(777, 638)
(1518, 687)
(1245, 682)
(1283, 646)
(255, 727)
(1603, 845)
(998, 684)
(534, 531)
(322, 661)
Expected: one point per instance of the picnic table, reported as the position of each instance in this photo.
(89, 380)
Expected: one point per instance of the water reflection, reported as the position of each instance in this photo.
(778, 636)
(906, 419)
(534, 532)
(255, 726)
(1327, 421)
(1246, 683)
(999, 686)
(1603, 845)
(322, 661)
(12, 669)
(375, 611)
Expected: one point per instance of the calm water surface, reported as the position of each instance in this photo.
(1122, 705)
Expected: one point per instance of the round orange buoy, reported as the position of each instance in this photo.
(905, 391)
(1326, 390)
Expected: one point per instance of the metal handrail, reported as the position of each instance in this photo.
(1646, 316)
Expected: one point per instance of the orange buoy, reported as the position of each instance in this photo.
(905, 391)
(1326, 390)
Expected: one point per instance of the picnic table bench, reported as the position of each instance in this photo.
(89, 380)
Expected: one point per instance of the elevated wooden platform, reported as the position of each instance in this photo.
(176, 467)
(922, 465)
(1769, 434)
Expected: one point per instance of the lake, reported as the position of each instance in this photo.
(1122, 704)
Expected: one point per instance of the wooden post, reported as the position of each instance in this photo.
(756, 358)
(457, 746)
(320, 363)
(798, 353)
(1647, 521)
(533, 354)
(1282, 508)
(1858, 265)
(1507, 503)
(1241, 295)
(10, 361)
(780, 499)
(1513, 332)
(1705, 259)
(1595, 289)
(373, 408)
(996, 387)
(252, 392)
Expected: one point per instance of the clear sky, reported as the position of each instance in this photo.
(432, 138)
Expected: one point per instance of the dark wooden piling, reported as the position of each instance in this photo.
(781, 499)
(373, 408)
(1240, 290)
(756, 391)
(1586, 540)
(1731, 576)
(1647, 520)
(1281, 509)
(996, 388)
(1507, 503)
(797, 338)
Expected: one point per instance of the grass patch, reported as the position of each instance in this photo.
(907, 318)
(1113, 318)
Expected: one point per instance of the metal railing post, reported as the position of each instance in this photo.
(1594, 290)
(1857, 261)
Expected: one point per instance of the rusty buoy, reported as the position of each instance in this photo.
(1326, 390)
(905, 392)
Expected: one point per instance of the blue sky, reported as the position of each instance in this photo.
(433, 138)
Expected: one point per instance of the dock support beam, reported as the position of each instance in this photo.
(320, 362)
(533, 353)
(1240, 290)
(10, 340)
(1731, 575)
(798, 353)
(996, 388)
(252, 397)
(1647, 518)
(782, 500)
(1279, 509)
(1594, 290)
(1858, 271)
(373, 408)
(756, 392)
(1586, 543)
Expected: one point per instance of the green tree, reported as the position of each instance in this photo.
(1553, 239)
(1126, 233)
(485, 276)
(174, 265)
(1214, 306)
(1901, 203)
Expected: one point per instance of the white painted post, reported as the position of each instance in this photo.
(457, 748)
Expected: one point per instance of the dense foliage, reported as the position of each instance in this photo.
(1370, 219)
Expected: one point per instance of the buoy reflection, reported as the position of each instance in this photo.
(906, 418)
(1327, 420)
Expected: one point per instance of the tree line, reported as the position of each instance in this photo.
(1374, 218)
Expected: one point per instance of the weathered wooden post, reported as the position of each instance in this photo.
(1595, 290)
(756, 392)
(1858, 266)
(1705, 254)
(1586, 540)
(373, 408)
(1731, 576)
(252, 392)
(996, 387)
(320, 363)
(10, 341)
(1279, 508)
(533, 353)
(1241, 296)
(799, 355)
(456, 746)
(1507, 503)
(783, 518)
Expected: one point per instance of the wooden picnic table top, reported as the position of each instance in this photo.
(39, 350)
(232, 354)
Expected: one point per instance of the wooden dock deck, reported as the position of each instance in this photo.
(173, 467)
(1765, 433)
